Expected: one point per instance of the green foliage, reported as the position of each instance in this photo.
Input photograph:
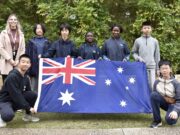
(96, 15)
(82, 15)
(123, 12)
(165, 20)
(26, 12)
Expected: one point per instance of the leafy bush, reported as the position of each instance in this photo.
(82, 15)
(165, 20)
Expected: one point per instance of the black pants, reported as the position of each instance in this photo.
(3, 78)
(7, 109)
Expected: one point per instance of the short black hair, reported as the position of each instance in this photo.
(164, 62)
(146, 23)
(24, 56)
(88, 33)
(64, 25)
(116, 25)
(42, 26)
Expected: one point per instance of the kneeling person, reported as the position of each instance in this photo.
(16, 94)
(166, 95)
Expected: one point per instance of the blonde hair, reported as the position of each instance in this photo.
(19, 28)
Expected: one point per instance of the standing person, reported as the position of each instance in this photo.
(16, 93)
(165, 95)
(63, 47)
(146, 49)
(36, 47)
(115, 48)
(12, 45)
(89, 49)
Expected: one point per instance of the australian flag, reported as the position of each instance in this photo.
(88, 86)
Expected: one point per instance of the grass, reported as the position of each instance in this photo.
(86, 121)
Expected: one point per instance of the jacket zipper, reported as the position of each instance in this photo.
(164, 88)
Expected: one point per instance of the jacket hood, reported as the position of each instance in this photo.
(166, 81)
(15, 71)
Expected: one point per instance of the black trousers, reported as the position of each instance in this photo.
(8, 109)
(3, 78)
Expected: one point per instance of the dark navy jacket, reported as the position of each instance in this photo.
(32, 51)
(116, 49)
(87, 51)
(61, 48)
(13, 88)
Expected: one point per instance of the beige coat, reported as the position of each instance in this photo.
(6, 52)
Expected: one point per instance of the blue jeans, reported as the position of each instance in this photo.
(157, 102)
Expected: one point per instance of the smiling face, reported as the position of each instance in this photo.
(116, 32)
(89, 37)
(24, 64)
(13, 21)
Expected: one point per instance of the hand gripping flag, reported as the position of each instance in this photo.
(89, 86)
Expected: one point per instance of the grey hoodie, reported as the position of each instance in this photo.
(146, 49)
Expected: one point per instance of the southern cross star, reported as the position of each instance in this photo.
(66, 97)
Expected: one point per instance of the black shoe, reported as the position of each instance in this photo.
(156, 124)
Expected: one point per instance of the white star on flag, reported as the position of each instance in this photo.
(132, 80)
(127, 88)
(120, 69)
(108, 82)
(66, 97)
(123, 103)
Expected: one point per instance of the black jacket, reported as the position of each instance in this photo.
(116, 49)
(13, 88)
(87, 51)
(31, 50)
(61, 48)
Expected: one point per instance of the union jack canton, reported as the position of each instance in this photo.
(71, 85)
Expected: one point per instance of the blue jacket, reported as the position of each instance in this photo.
(61, 48)
(32, 51)
(116, 49)
(87, 51)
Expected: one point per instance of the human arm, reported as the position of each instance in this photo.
(12, 85)
(104, 52)
(126, 52)
(3, 50)
(99, 53)
(135, 52)
(176, 85)
(157, 55)
(50, 52)
(176, 110)
(81, 52)
(21, 50)
(74, 51)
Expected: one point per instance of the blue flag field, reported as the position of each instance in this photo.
(88, 86)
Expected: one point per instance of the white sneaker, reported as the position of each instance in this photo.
(29, 117)
(20, 110)
(2, 123)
